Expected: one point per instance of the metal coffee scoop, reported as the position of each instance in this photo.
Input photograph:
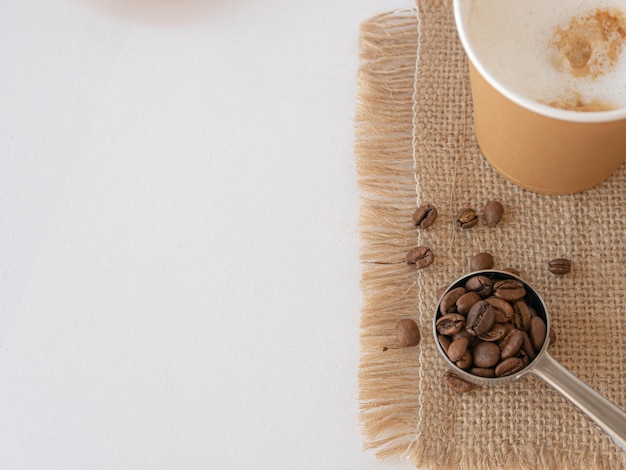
(606, 415)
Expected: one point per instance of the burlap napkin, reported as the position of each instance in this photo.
(414, 144)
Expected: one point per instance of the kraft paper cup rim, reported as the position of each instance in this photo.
(521, 100)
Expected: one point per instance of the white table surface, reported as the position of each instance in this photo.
(179, 276)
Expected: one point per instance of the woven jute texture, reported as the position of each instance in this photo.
(414, 144)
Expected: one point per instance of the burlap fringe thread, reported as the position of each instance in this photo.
(389, 377)
(389, 402)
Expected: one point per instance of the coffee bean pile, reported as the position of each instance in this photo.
(496, 336)
(488, 327)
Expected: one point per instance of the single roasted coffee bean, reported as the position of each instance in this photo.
(509, 290)
(560, 266)
(450, 324)
(521, 315)
(448, 301)
(509, 366)
(511, 344)
(445, 342)
(466, 302)
(486, 355)
(465, 362)
(458, 348)
(480, 318)
(464, 334)
(481, 261)
(407, 332)
(482, 285)
(420, 257)
(424, 216)
(456, 383)
(537, 332)
(466, 218)
(496, 333)
(486, 372)
(493, 212)
(527, 346)
(503, 309)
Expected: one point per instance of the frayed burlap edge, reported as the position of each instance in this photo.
(383, 148)
(389, 376)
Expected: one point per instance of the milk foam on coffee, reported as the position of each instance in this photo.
(569, 54)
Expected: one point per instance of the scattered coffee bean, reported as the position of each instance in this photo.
(407, 332)
(385, 348)
(494, 210)
(456, 383)
(481, 261)
(420, 257)
(466, 218)
(560, 266)
(424, 216)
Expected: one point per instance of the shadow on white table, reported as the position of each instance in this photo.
(162, 11)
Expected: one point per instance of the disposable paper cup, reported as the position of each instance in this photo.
(538, 147)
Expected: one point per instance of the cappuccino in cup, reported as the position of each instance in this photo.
(548, 81)
(568, 54)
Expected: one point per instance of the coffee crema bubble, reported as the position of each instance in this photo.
(568, 54)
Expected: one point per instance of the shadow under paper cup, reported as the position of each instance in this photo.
(538, 147)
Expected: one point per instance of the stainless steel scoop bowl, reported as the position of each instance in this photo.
(605, 414)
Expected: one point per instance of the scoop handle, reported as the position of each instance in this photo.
(608, 417)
